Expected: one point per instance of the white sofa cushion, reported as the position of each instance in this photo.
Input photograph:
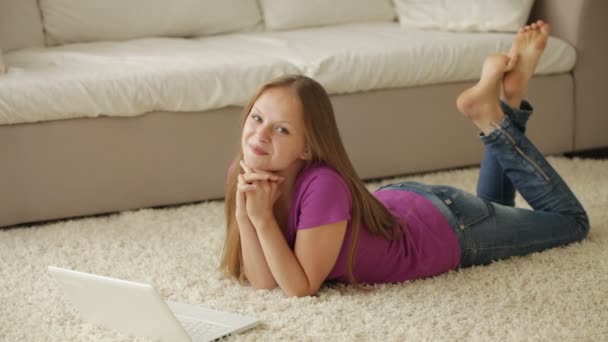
(132, 77)
(68, 21)
(289, 14)
(135, 77)
(464, 15)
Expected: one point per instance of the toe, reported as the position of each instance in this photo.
(545, 29)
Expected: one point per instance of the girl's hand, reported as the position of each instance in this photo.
(245, 184)
(241, 210)
(261, 190)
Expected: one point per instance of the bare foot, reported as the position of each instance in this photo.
(480, 102)
(528, 45)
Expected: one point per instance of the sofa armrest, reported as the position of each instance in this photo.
(582, 24)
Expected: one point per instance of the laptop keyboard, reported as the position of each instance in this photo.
(199, 329)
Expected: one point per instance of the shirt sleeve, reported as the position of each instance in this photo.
(326, 199)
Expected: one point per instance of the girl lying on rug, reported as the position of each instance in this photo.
(298, 215)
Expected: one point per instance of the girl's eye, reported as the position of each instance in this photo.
(256, 117)
(282, 130)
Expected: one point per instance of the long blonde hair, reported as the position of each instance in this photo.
(325, 145)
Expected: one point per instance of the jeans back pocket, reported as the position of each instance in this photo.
(466, 207)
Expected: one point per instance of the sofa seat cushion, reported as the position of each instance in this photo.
(139, 76)
(131, 78)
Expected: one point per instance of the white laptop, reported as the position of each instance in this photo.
(137, 309)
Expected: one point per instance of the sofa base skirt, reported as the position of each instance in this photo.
(78, 167)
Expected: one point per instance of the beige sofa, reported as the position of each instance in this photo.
(75, 166)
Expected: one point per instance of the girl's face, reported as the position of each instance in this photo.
(273, 136)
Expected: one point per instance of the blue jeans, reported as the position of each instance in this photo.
(487, 225)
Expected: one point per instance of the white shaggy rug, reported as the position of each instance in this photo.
(556, 295)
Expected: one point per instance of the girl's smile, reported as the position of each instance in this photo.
(258, 150)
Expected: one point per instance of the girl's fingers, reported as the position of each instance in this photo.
(245, 187)
(254, 175)
(271, 175)
(245, 167)
(240, 198)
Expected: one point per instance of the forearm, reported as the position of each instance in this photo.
(254, 263)
(283, 263)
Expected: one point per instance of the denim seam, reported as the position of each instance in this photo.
(520, 152)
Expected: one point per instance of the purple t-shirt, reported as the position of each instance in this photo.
(429, 246)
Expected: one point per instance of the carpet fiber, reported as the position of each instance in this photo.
(559, 294)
